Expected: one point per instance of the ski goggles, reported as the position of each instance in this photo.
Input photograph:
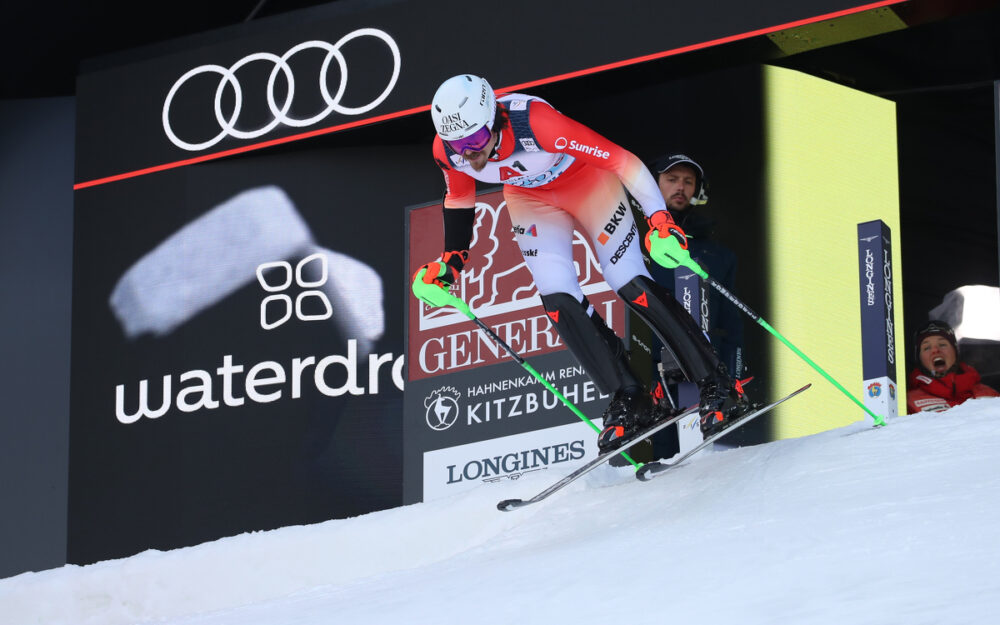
(473, 143)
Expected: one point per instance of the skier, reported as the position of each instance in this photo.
(554, 171)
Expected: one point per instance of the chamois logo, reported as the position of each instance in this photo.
(442, 408)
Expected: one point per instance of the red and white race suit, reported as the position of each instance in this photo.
(554, 171)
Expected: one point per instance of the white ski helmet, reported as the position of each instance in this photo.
(462, 105)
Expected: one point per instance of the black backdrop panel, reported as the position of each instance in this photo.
(123, 126)
(197, 472)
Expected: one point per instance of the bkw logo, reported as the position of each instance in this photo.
(312, 304)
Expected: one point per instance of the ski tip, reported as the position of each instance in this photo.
(509, 504)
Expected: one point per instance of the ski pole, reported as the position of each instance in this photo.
(669, 250)
(434, 295)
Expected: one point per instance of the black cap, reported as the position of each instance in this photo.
(934, 328)
(665, 162)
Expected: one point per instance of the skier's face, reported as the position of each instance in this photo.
(677, 186)
(937, 355)
(477, 160)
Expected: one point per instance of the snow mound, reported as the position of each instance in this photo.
(855, 525)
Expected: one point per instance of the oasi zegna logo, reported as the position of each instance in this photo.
(442, 408)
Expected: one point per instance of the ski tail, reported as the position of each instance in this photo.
(648, 471)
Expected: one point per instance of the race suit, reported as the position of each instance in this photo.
(555, 170)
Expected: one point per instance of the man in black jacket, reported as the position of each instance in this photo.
(684, 187)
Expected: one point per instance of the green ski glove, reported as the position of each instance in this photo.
(667, 244)
(431, 290)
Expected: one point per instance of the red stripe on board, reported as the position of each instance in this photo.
(248, 148)
(534, 83)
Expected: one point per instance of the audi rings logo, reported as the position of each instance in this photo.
(279, 110)
(315, 264)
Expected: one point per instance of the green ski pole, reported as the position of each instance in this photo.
(669, 253)
(434, 295)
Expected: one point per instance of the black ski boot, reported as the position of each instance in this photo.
(630, 409)
(645, 451)
(722, 401)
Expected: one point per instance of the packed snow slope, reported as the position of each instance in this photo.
(855, 525)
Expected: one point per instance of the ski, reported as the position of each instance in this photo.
(510, 504)
(649, 471)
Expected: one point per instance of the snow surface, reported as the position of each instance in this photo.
(855, 525)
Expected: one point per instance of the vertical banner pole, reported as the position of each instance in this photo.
(690, 292)
(878, 342)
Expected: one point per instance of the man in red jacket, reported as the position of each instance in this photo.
(940, 380)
